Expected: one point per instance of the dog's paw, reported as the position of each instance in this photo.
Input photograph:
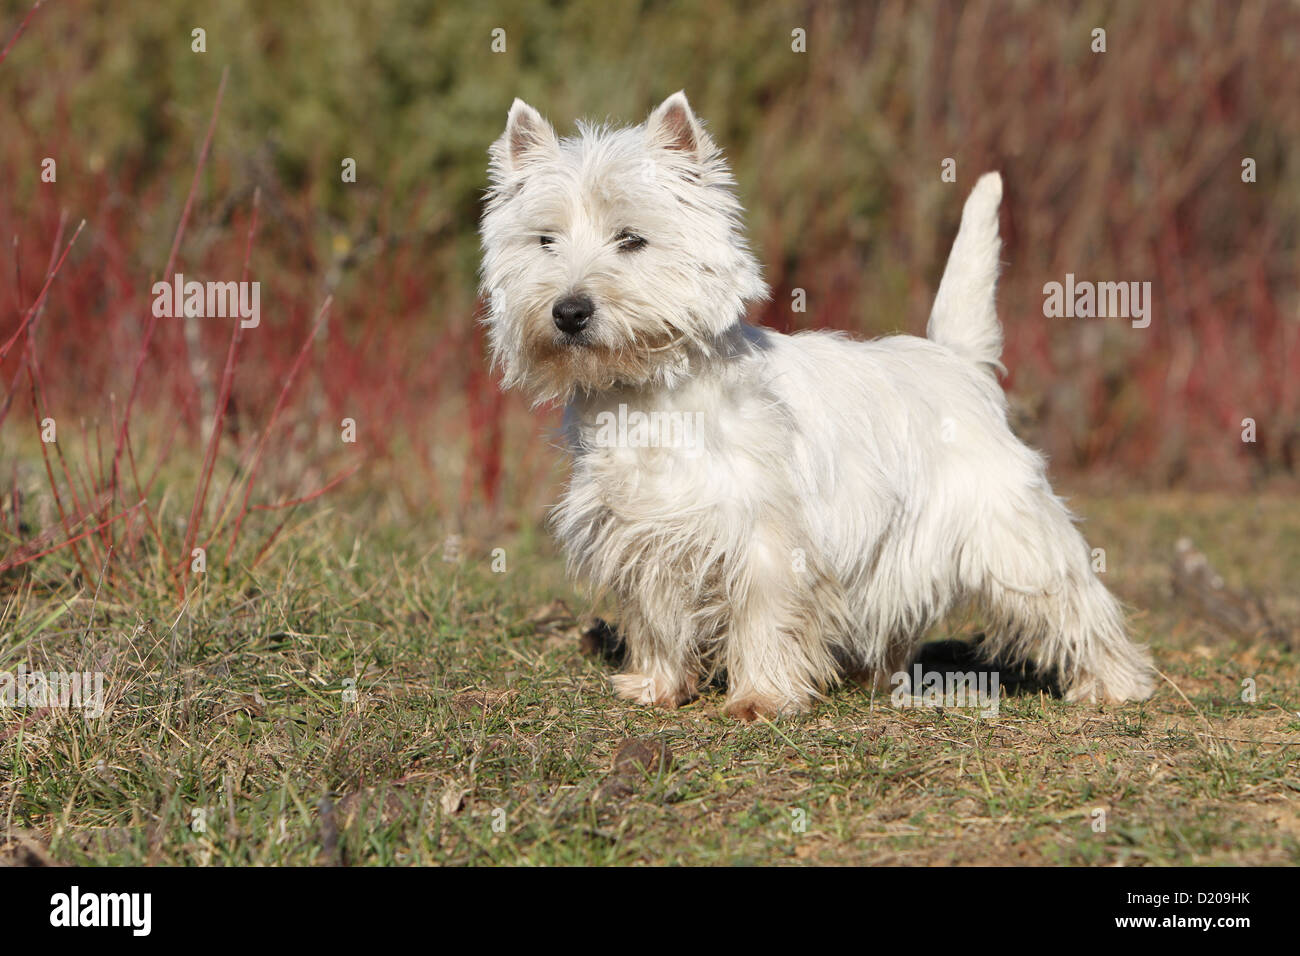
(753, 707)
(1127, 679)
(644, 689)
(1090, 690)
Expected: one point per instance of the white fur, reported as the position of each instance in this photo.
(844, 495)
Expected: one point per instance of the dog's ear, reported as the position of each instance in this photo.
(527, 137)
(673, 126)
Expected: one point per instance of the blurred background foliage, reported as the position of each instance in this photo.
(1123, 165)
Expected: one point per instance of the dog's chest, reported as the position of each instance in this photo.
(684, 478)
(634, 466)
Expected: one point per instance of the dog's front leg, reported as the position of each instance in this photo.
(662, 660)
(784, 622)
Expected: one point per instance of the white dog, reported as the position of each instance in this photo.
(836, 498)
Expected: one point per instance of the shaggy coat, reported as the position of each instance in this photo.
(834, 498)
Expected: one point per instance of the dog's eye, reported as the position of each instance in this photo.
(545, 240)
(629, 241)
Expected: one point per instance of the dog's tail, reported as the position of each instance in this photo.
(965, 317)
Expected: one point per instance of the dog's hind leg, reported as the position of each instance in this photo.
(1047, 605)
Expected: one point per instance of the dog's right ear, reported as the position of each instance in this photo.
(527, 138)
(673, 126)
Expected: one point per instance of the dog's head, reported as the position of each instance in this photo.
(610, 257)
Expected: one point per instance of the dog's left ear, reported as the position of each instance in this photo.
(673, 126)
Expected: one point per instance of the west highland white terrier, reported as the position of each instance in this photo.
(835, 498)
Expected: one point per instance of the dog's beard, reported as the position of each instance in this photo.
(556, 366)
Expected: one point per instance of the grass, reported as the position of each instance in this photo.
(480, 734)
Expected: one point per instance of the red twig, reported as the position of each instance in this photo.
(19, 32)
(266, 545)
(167, 272)
(49, 472)
(314, 495)
(223, 400)
(143, 494)
(32, 310)
(14, 562)
(275, 413)
(30, 356)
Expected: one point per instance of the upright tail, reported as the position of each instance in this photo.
(965, 317)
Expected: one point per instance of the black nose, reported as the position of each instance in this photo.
(572, 313)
